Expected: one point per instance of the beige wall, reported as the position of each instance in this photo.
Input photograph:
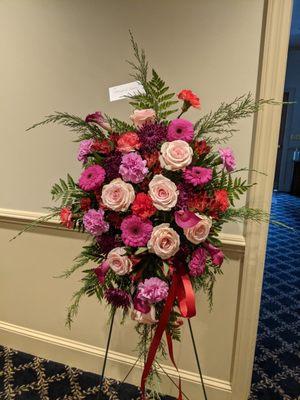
(63, 55)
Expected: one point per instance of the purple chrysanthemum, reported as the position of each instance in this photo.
(117, 298)
(135, 231)
(91, 178)
(107, 242)
(198, 175)
(85, 148)
(94, 222)
(133, 168)
(180, 129)
(112, 165)
(228, 159)
(197, 263)
(183, 196)
(153, 290)
(151, 135)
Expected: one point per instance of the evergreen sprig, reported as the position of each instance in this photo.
(74, 123)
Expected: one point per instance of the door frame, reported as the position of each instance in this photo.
(272, 70)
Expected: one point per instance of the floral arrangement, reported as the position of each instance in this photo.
(153, 196)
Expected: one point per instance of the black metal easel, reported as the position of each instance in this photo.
(137, 360)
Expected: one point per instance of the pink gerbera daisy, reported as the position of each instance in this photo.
(91, 178)
(135, 231)
(198, 175)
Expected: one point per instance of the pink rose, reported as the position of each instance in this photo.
(164, 241)
(128, 141)
(141, 117)
(163, 193)
(199, 232)
(117, 195)
(144, 318)
(175, 155)
(119, 262)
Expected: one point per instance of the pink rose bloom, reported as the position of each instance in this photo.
(128, 142)
(199, 232)
(163, 193)
(164, 241)
(119, 262)
(198, 175)
(142, 117)
(117, 195)
(135, 231)
(198, 262)
(175, 155)
(133, 168)
(144, 318)
(186, 219)
(91, 178)
(216, 254)
(228, 159)
(180, 129)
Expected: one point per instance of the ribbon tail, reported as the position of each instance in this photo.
(164, 319)
(171, 354)
(186, 295)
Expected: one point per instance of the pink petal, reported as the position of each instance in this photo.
(186, 219)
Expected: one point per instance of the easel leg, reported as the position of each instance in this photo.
(197, 359)
(106, 354)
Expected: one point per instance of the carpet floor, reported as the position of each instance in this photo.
(276, 372)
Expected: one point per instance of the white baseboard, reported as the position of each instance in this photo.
(85, 356)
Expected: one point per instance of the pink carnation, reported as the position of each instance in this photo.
(153, 290)
(198, 175)
(92, 178)
(198, 261)
(180, 129)
(85, 148)
(133, 168)
(228, 159)
(135, 231)
(94, 222)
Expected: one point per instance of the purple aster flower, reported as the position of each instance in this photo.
(198, 261)
(153, 290)
(94, 222)
(91, 178)
(180, 129)
(135, 231)
(112, 165)
(151, 135)
(198, 175)
(85, 148)
(117, 298)
(133, 168)
(228, 159)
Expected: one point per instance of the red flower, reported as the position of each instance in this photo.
(103, 146)
(66, 217)
(201, 147)
(128, 141)
(199, 202)
(151, 158)
(220, 202)
(85, 203)
(143, 206)
(189, 98)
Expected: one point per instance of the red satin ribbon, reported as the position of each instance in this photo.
(181, 288)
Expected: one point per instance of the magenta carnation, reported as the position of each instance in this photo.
(133, 168)
(197, 263)
(94, 222)
(228, 159)
(85, 148)
(198, 175)
(91, 178)
(153, 290)
(135, 231)
(180, 129)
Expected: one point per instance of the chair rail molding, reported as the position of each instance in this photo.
(274, 49)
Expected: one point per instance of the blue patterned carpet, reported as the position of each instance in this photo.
(276, 373)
